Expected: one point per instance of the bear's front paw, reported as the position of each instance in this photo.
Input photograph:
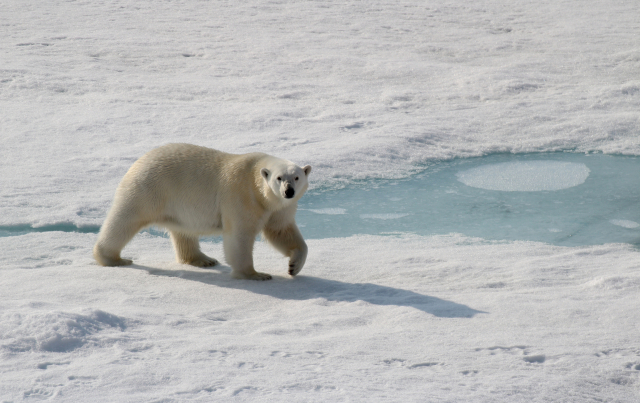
(298, 257)
(295, 267)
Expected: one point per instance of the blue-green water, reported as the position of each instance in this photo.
(600, 201)
(21, 229)
(558, 198)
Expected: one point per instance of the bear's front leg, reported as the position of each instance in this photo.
(288, 240)
(238, 251)
(298, 258)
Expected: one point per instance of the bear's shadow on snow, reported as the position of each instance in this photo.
(302, 288)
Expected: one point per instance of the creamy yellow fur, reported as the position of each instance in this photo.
(194, 191)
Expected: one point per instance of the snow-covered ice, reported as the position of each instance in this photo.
(370, 94)
(438, 319)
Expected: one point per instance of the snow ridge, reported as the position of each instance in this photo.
(57, 331)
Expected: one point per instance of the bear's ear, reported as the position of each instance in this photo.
(265, 173)
(307, 169)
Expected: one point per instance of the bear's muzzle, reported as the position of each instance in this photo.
(289, 192)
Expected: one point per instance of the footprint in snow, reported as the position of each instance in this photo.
(535, 359)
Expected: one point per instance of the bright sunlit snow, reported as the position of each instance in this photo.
(417, 287)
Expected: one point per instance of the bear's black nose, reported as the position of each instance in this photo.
(289, 192)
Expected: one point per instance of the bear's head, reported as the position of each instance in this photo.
(286, 179)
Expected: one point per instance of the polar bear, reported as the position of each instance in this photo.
(193, 191)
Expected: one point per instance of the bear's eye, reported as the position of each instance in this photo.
(279, 178)
(297, 178)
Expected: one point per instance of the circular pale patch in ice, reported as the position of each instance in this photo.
(525, 176)
(625, 223)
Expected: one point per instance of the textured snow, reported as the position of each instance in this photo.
(358, 90)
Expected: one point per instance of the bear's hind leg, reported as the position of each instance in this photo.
(113, 237)
(188, 250)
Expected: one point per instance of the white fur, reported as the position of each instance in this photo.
(194, 191)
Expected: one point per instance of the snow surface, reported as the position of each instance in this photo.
(359, 90)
